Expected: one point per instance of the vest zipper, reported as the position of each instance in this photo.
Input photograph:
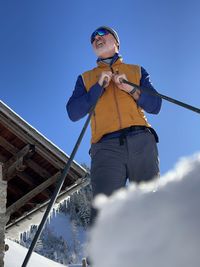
(117, 106)
(116, 102)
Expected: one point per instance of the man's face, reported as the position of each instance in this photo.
(105, 46)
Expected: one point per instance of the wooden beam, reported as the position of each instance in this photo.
(19, 203)
(2, 159)
(41, 171)
(80, 183)
(8, 146)
(33, 165)
(37, 168)
(41, 142)
(13, 170)
(21, 153)
(16, 191)
(16, 163)
(26, 178)
(30, 181)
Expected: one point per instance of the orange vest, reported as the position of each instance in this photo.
(115, 109)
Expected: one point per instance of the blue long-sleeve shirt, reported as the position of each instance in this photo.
(81, 101)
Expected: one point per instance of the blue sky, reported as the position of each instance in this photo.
(44, 46)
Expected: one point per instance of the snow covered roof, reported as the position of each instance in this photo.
(31, 166)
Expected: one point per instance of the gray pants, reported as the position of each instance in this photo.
(112, 164)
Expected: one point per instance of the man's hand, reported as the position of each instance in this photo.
(105, 78)
(118, 78)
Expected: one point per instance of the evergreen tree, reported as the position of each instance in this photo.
(77, 208)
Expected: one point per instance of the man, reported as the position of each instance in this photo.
(123, 143)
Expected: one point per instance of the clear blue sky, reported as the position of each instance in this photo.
(44, 46)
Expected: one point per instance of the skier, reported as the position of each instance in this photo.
(123, 144)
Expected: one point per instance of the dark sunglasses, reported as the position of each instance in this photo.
(100, 32)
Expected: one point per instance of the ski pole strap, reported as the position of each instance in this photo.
(167, 98)
(133, 91)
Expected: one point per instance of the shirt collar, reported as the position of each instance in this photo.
(109, 61)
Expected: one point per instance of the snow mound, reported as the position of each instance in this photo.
(141, 226)
(14, 257)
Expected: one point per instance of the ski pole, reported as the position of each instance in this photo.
(172, 100)
(59, 185)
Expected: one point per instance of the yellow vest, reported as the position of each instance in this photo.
(115, 109)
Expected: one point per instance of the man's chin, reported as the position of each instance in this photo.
(104, 52)
(100, 52)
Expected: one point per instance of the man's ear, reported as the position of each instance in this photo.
(117, 45)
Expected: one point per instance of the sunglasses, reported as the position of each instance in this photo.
(100, 32)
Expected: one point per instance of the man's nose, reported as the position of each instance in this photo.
(97, 37)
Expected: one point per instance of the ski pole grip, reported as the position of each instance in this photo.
(132, 84)
(105, 82)
(170, 99)
(135, 87)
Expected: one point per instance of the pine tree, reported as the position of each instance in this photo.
(77, 207)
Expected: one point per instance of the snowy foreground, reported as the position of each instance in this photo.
(152, 225)
(15, 255)
(145, 227)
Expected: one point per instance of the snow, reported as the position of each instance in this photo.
(15, 230)
(152, 225)
(14, 257)
(60, 224)
(63, 239)
(155, 224)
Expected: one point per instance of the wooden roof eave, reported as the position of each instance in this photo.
(30, 135)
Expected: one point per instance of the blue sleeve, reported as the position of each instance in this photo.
(149, 103)
(82, 101)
